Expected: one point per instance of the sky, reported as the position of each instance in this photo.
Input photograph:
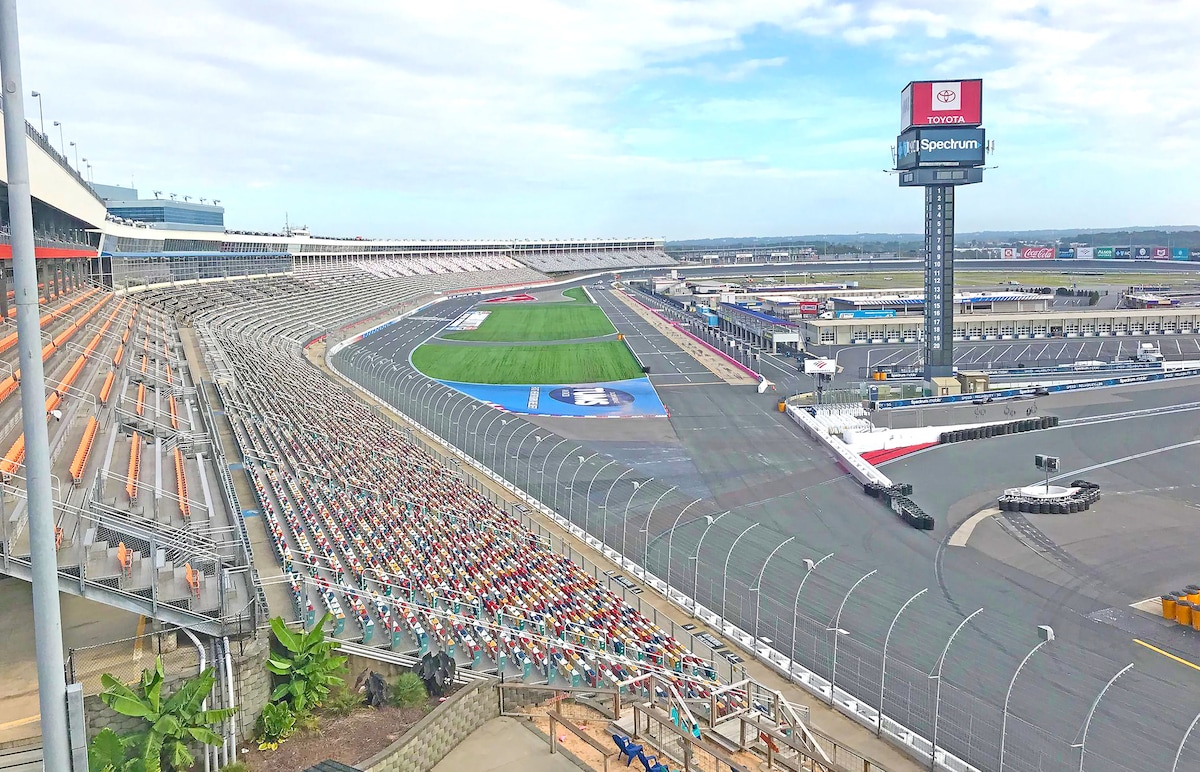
(615, 118)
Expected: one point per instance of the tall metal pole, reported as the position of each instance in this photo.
(604, 519)
(41, 117)
(47, 619)
(587, 509)
(809, 566)
(1008, 694)
(757, 588)
(1092, 710)
(696, 557)
(725, 572)
(937, 696)
(671, 538)
(837, 630)
(1183, 742)
(883, 663)
(646, 529)
(625, 522)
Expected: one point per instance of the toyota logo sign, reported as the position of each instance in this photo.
(946, 95)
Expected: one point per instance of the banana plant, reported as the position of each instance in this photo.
(172, 723)
(309, 665)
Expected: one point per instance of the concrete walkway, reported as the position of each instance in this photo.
(504, 745)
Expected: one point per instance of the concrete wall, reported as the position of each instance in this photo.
(423, 746)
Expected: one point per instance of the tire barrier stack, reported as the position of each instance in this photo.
(1183, 606)
(897, 497)
(1085, 494)
(997, 430)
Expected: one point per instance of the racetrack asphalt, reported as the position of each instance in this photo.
(729, 448)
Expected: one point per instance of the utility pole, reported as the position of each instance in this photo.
(47, 621)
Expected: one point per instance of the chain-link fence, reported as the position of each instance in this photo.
(125, 659)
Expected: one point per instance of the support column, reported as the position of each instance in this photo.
(43, 280)
(939, 282)
(4, 290)
(58, 278)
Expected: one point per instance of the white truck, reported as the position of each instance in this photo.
(1148, 352)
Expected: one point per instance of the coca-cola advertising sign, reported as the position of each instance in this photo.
(1037, 253)
(941, 103)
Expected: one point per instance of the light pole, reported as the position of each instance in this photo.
(883, 663)
(711, 521)
(725, 572)
(587, 504)
(542, 472)
(604, 519)
(76, 149)
(558, 473)
(1091, 711)
(646, 529)
(62, 145)
(41, 118)
(89, 168)
(937, 696)
(537, 440)
(757, 589)
(1047, 634)
(671, 538)
(809, 567)
(503, 460)
(47, 618)
(637, 486)
(838, 631)
(1183, 742)
(571, 501)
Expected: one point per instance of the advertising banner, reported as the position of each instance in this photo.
(870, 313)
(1037, 253)
(1160, 253)
(1008, 253)
(1142, 253)
(941, 103)
(827, 366)
(1104, 253)
(1195, 254)
(1179, 253)
(809, 306)
(1122, 253)
(940, 147)
(1066, 253)
(1085, 253)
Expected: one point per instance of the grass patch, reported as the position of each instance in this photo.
(577, 293)
(561, 364)
(549, 321)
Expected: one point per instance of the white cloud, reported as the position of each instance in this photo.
(499, 102)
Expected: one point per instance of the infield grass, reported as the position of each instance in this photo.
(577, 293)
(560, 364)
(534, 322)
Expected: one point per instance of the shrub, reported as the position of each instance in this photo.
(275, 724)
(342, 701)
(310, 666)
(409, 691)
(172, 723)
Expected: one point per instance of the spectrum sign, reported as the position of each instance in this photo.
(941, 103)
(940, 147)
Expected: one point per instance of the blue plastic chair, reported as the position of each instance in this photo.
(629, 749)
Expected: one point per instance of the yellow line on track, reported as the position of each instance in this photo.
(1167, 654)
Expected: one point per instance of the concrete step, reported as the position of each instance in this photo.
(21, 760)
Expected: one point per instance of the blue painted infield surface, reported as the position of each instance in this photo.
(633, 398)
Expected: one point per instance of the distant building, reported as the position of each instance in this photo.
(124, 204)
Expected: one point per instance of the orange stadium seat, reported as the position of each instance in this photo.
(105, 390)
(135, 466)
(79, 463)
(185, 509)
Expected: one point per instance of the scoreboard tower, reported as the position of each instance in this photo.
(941, 146)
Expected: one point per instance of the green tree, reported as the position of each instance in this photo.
(309, 665)
(172, 723)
